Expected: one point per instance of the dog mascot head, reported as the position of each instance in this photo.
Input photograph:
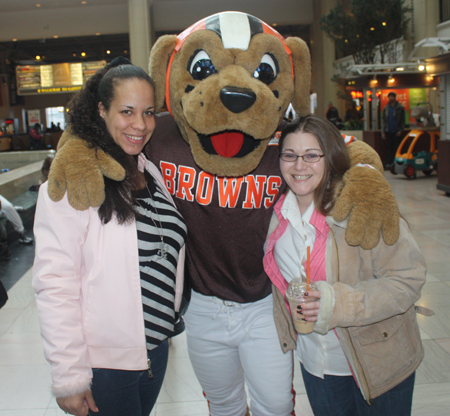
(228, 80)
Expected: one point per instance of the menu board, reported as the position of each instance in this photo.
(54, 78)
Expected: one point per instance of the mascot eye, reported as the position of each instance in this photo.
(201, 66)
(267, 69)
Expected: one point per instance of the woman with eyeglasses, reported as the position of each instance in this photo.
(362, 355)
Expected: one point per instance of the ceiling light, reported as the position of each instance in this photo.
(55, 36)
(14, 40)
(38, 57)
(421, 67)
(108, 51)
(400, 68)
(38, 5)
(390, 79)
(83, 54)
(384, 23)
(372, 29)
(84, 2)
(97, 34)
(274, 24)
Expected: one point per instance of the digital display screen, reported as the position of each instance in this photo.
(54, 78)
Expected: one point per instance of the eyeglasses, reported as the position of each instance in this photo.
(309, 157)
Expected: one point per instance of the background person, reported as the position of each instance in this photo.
(36, 137)
(45, 170)
(362, 357)
(392, 126)
(332, 115)
(108, 280)
(5, 252)
(11, 214)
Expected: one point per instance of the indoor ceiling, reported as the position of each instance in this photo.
(22, 5)
(68, 48)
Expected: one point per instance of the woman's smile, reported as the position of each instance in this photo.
(302, 177)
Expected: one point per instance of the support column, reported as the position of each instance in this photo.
(139, 26)
(323, 57)
(426, 18)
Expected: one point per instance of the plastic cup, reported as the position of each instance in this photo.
(295, 295)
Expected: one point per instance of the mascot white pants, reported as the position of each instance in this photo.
(231, 343)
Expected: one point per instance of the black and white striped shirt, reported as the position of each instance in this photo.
(158, 273)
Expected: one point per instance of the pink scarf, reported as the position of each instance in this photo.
(317, 258)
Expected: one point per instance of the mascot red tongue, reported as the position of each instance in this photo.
(227, 144)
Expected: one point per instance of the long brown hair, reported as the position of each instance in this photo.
(337, 159)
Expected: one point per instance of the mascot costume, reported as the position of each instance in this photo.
(227, 82)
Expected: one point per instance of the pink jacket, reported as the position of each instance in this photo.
(88, 293)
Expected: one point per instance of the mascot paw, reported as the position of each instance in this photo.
(361, 152)
(79, 170)
(369, 204)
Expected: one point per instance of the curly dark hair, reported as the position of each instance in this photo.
(87, 124)
(337, 158)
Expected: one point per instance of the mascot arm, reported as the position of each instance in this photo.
(78, 170)
(368, 201)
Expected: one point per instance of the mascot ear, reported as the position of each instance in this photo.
(302, 75)
(159, 60)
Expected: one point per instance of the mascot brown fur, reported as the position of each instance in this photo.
(227, 82)
(228, 115)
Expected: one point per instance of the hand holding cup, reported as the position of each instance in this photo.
(310, 310)
(303, 302)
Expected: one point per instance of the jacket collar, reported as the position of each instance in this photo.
(331, 221)
(319, 222)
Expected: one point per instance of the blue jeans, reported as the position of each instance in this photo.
(130, 393)
(341, 396)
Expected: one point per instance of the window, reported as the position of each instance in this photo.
(55, 115)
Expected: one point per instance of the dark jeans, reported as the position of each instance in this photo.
(35, 144)
(129, 393)
(392, 143)
(340, 396)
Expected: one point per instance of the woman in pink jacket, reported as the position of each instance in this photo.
(362, 355)
(109, 279)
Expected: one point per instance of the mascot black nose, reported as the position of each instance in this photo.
(237, 99)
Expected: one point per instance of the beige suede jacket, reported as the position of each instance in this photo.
(368, 299)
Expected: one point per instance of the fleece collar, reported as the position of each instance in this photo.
(331, 221)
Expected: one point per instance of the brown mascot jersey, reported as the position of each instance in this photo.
(227, 218)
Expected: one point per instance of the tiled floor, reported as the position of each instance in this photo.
(24, 374)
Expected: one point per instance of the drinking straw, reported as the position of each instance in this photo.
(307, 267)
